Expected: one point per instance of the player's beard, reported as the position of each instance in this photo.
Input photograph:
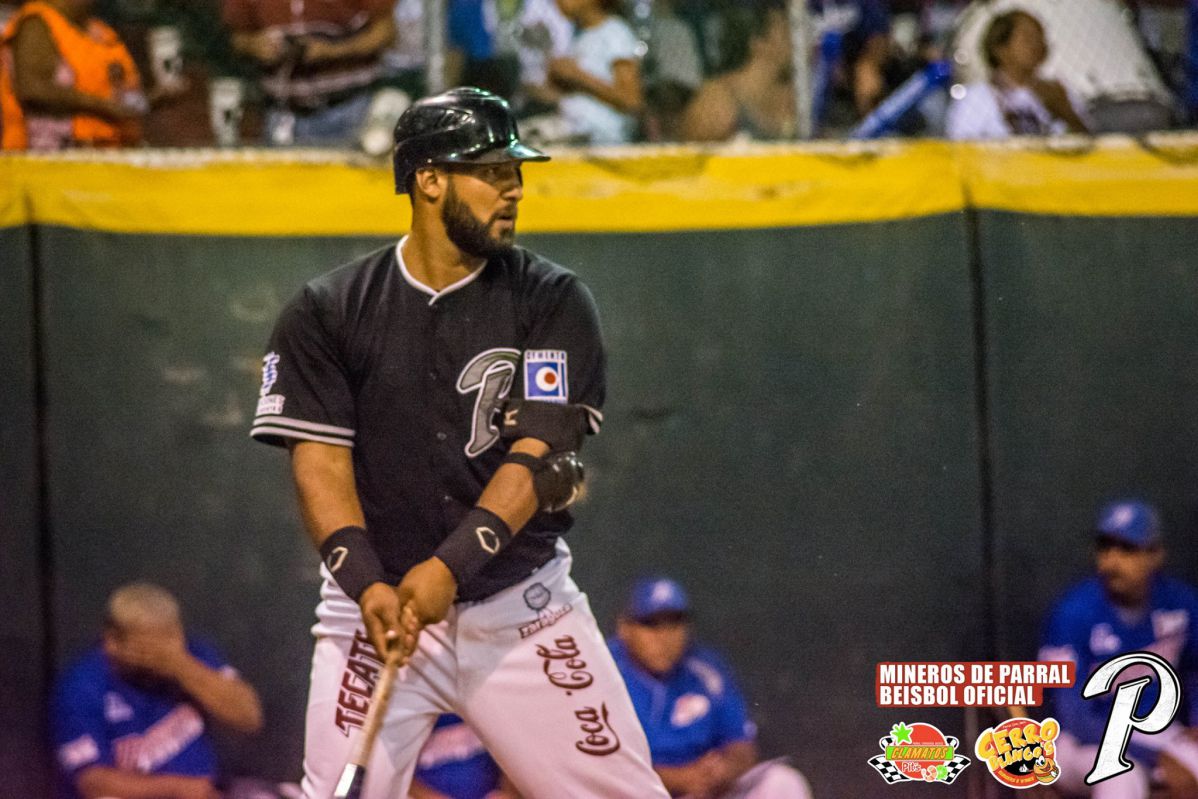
(470, 234)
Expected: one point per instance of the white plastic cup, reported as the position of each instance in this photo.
(385, 110)
(166, 56)
(225, 99)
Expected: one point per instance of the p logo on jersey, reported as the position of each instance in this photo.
(545, 375)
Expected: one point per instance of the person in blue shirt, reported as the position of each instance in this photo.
(701, 739)
(454, 764)
(1127, 606)
(130, 718)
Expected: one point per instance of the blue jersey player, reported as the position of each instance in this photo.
(1127, 606)
(130, 718)
(702, 742)
(454, 764)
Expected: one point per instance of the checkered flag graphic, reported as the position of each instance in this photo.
(891, 774)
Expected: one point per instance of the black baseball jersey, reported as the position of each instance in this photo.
(366, 357)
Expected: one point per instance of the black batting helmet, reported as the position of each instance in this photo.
(463, 125)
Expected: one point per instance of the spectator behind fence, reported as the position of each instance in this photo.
(67, 80)
(321, 60)
(754, 97)
(130, 718)
(454, 764)
(674, 72)
(597, 85)
(862, 28)
(1016, 100)
(1128, 606)
(673, 50)
(700, 737)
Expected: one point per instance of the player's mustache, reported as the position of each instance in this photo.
(510, 212)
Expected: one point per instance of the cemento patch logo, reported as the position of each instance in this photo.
(918, 752)
(1021, 753)
(545, 375)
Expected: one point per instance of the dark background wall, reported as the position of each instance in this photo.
(22, 624)
(1093, 380)
(794, 430)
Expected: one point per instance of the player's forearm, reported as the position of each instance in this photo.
(50, 98)
(324, 481)
(738, 758)
(227, 699)
(510, 494)
(419, 790)
(679, 780)
(103, 782)
(623, 95)
(372, 39)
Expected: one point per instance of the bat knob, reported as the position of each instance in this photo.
(350, 784)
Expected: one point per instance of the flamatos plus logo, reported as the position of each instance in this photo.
(918, 752)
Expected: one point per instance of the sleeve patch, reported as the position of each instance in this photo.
(78, 753)
(688, 709)
(270, 405)
(270, 372)
(545, 376)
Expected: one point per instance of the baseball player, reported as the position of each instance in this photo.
(434, 395)
(454, 765)
(1128, 606)
(132, 716)
(703, 743)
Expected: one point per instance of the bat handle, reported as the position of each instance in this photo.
(379, 699)
(354, 775)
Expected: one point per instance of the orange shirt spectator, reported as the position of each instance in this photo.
(66, 80)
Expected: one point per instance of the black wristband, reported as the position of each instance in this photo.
(530, 462)
(351, 559)
(476, 539)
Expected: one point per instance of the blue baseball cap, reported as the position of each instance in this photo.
(1130, 521)
(653, 595)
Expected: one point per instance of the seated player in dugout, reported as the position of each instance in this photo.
(701, 739)
(130, 718)
(67, 80)
(1127, 606)
(454, 764)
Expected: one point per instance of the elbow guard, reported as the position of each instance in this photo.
(557, 478)
(562, 427)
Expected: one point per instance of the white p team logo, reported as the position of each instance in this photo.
(487, 539)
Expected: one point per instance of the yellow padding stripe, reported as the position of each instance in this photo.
(654, 190)
(13, 211)
(1078, 177)
(632, 190)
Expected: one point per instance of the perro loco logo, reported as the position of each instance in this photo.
(1021, 752)
(918, 752)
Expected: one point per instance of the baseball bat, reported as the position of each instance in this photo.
(354, 775)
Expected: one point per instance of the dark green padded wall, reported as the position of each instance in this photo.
(154, 355)
(790, 431)
(1093, 377)
(22, 626)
